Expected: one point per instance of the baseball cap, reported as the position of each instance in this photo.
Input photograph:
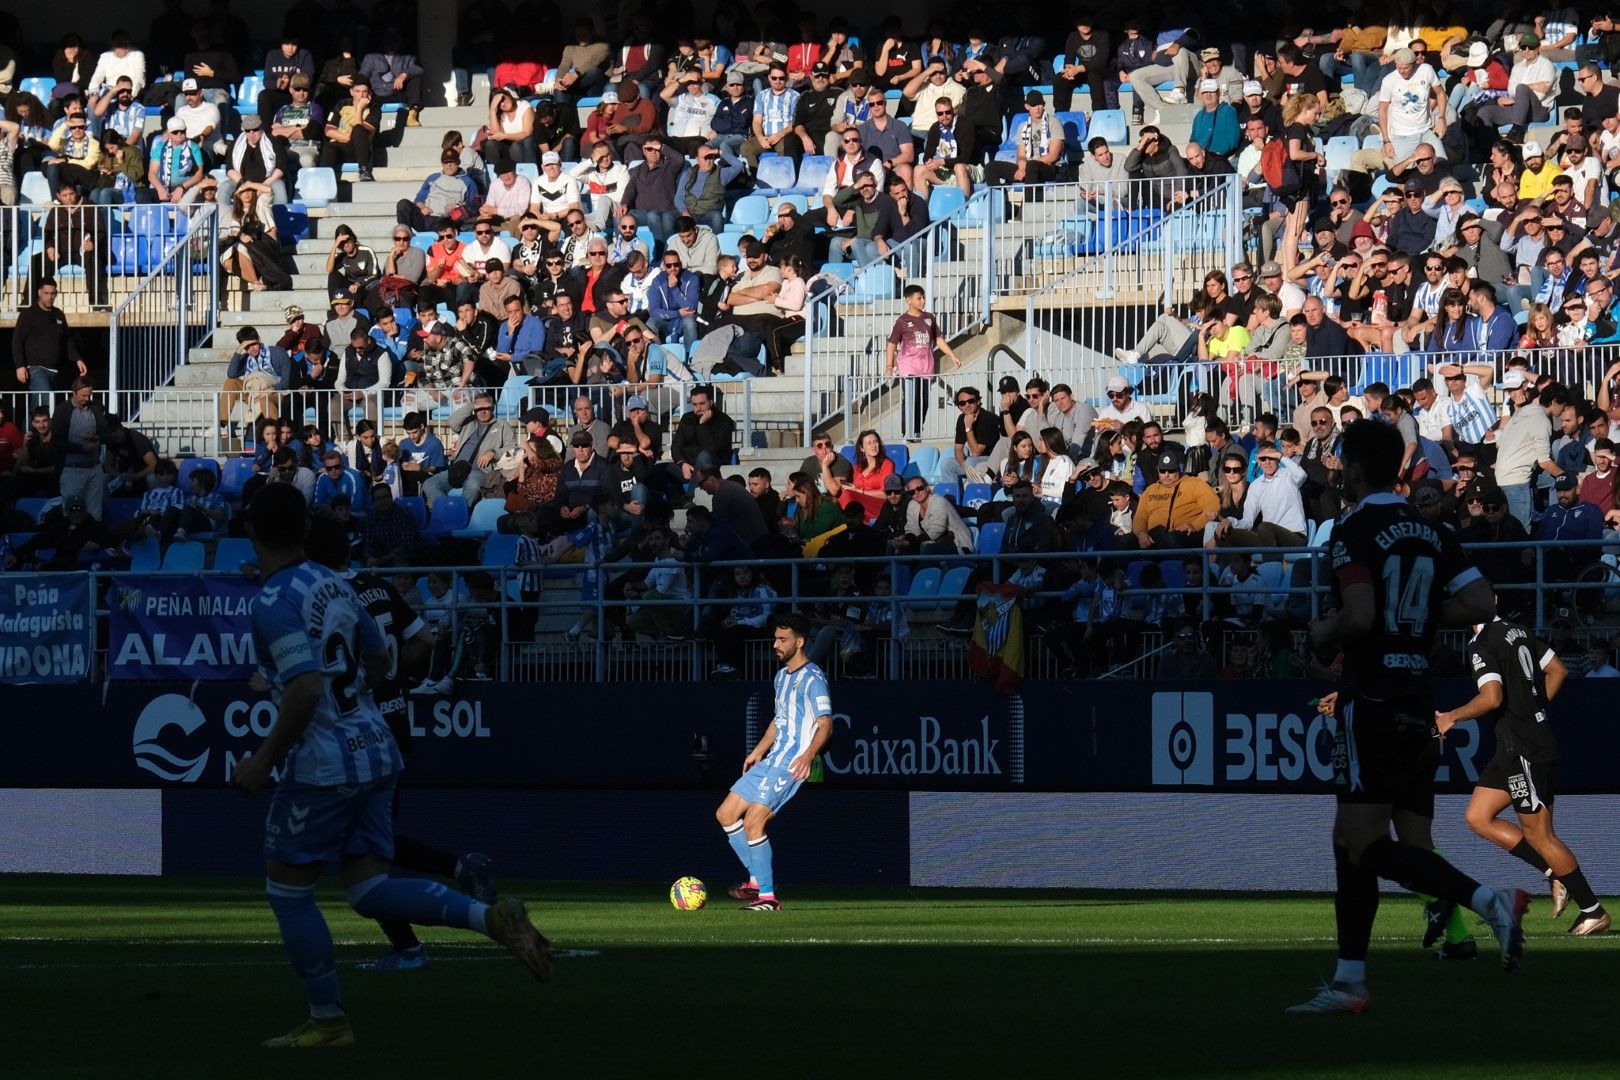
(1084, 467)
(610, 97)
(735, 78)
(1567, 482)
(299, 82)
(1033, 98)
(1513, 379)
(1008, 384)
(1405, 56)
(1562, 617)
(1529, 41)
(292, 313)
(342, 298)
(581, 438)
(1117, 384)
(893, 483)
(1209, 86)
(1271, 269)
(1532, 149)
(1252, 88)
(188, 86)
(536, 415)
(1210, 54)
(492, 265)
(252, 122)
(1425, 496)
(821, 69)
(1169, 461)
(1479, 54)
(551, 157)
(1413, 186)
(636, 402)
(175, 124)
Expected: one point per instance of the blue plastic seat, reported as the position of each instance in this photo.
(776, 174)
(925, 583)
(247, 93)
(449, 514)
(145, 557)
(943, 199)
(235, 473)
(900, 456)
(500, 549)
(317, 186)
(730, 243)
(191, 465)
(948, 490)
(232, 551)
(34, 190)
(976, 495)
(954, 582)
(40, 86)
(1110, 124)
(925, 463)
(185, 556)
(33, 507)
(418, 508)
(1075, 127)
(813, 173)
(485, 514)
(115, 512)
(990, 536)
(751, 210)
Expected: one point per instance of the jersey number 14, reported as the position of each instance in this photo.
(1407, 602)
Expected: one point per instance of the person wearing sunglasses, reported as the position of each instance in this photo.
(933, 527)
(672, 301)
(851, 163)
(948, 151)
(773, 121)
(478, 441)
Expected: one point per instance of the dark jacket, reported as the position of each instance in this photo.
(61, 421)
(575, 488)
(693, 438)
(652, 188)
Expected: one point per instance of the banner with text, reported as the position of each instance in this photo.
(46, 629)
(180, 628)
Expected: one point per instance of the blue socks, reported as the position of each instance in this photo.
(760, 860)
(739, 844)
(415, 900)
(309, 944)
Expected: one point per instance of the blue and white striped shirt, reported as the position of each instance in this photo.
(1471, 417)
(130, 123)
(307, 618)
(775, 111)
(801, 698)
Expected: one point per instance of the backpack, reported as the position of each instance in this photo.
(1273, 162)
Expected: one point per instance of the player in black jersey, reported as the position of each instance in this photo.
(409, 644)
(1518, 675)
(1399, 579)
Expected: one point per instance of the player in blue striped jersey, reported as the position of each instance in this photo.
(780, 762)
(322, 655)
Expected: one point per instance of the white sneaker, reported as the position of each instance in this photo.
(1507, 923)
(1334, 997)
(1127, 356)
(1174, 96)
(181, 534)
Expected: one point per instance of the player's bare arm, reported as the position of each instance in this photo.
(800, 766)
(1487, 700)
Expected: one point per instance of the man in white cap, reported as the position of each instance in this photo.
(1411, 107)
(176, 169)
(1254, 105)
(1215, 124)
(553, 196)
(1523, 443)
(1121, 408)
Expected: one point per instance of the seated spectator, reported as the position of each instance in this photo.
(508, 198)
(556, 130)
(694, 245)
(299, 126)
(604, 179)
(69, 536)
(665, 582)
(256, 373)
(868, 206)
(773, 121)
(745, 620)
(510, 130)
(702, 189)
(250, 248)
(395, 76)
(73, 233)
(691, 111)
(650, 194)
(391, 535)
(363, 367)
(1273, 508)
(479, 441)
(904, 216)
(672, 302)
(351, 267)
(949, 153)
(1039, 148)
(351, 130)
(703, 436)
(176, 170)
(789, 238)
(849, 162)
(335, 480)
(553, 197)
(445, 197)
(584, 63)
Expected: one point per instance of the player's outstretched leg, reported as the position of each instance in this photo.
(1355, 906)
(308, 942)
(1564, 868)
(428, 903)
(1442, 918)
(1423, 871)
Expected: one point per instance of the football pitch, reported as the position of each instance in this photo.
(138, 977)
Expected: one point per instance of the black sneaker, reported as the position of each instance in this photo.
(366, 177)
(1436, 914)
(1458, 950)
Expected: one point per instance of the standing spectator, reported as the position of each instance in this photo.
(395, 76)
(910, 352)
(1411, 108)
(79, 428)
(1522, 444)
(351, 130)
(43, 347)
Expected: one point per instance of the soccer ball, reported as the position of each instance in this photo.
(688, 894)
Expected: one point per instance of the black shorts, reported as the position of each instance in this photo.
(1385, 752)
(1530, 784)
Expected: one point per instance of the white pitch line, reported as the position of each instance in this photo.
(561, 954)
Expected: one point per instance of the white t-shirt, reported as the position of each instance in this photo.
(512, 122)
(1433, 421)
(554, 196)
(1590, 169)
(1410, 101)
(1539, 70)
(1134, 411)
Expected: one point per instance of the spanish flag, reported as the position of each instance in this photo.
(998, 635)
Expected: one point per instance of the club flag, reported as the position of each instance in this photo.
(998, 635)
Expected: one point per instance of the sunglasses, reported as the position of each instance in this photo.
(962, 403)
(334, 468)
(1340, 202)
(481, 232)
(851, 142)
(483, 408)
(1268, 460)
(1232, 469)
(1463, 468)
(553, 262)
(598, 255)
(915, 490)
(1241, 277)
(672, 266)
(1436, 267)
(1115, 394)
(1321, 423)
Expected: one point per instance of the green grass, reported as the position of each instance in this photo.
(124, 978)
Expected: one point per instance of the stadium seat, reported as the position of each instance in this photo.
(812, 174)
(485, 514)
(925, 462)
(117, 511)
(975, 495)
(191, 465)
(1110, 124)
(235, 473)
(776, 174)
(145, 557)
(848, 450)
(247, 93)
(292, 222)
(231, 552)
(40, 86)
(418, 508)
(1074, 135)
(1339, 149)
(900, 456)
(449, 515)
(317, 186)
(1274, 575)
(33, 507)
(954, 583)
(730, 243)
(500, 549)
(948, 490)
(751, 211)
(34, 190)
(185, 557)
(990, 535)
(943, 199)
(790, 198)
(925, 583)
